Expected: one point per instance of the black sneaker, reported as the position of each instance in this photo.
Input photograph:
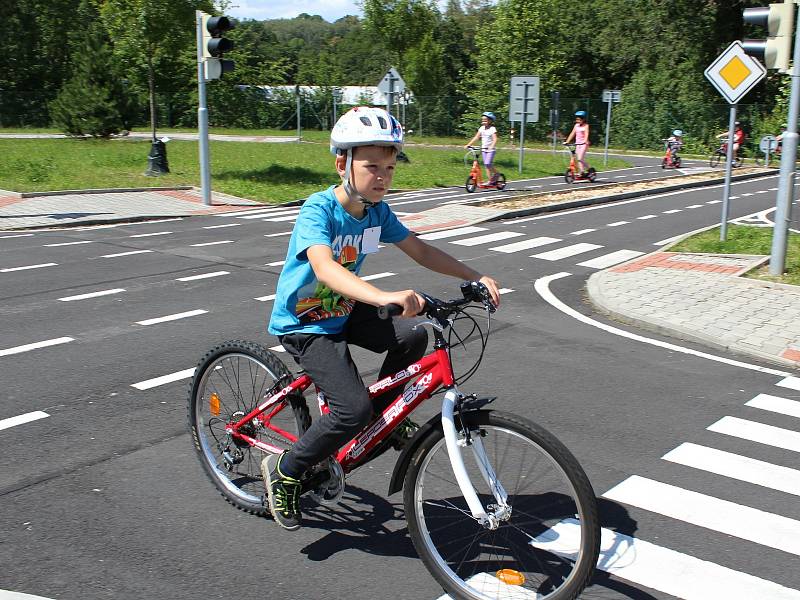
(283, 493)
(402, 435)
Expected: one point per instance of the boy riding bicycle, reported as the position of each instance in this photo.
(321, 305)
(488, 134)
(738, 138)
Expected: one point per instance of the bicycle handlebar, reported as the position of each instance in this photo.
(473, 291)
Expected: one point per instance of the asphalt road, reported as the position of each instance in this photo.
(103, 497)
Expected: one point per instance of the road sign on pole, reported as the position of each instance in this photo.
(733, 73)
(390, 84)
(523, 106)
(611, 97)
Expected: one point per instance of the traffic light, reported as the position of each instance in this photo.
(776, 50)
(214, 46)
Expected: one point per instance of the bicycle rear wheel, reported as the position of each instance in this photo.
(229, 382)
(569, 176)
(548, 548)
(470, 185)
(715, 158)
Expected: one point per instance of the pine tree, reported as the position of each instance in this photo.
(93, 101)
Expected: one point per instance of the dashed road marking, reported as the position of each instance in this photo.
(212, 243)
(20, 420)
(164, 379)
(92, 295)
(131, 253)
(27, 267)
(203, 276)
(175, 317)
(155, 233)
(67, 244)
(617, 223)
(36, 346)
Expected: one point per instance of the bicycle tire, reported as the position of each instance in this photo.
(714, 160)
(677, 162)
(241, 374)
(470, 185)
(434, 508)
(663, 163)
(569, 176)
(591, 174)
(500, 181)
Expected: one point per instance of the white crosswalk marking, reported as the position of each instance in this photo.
(776, 404)
(566, 252)
(281, 219)
(440, 235)
(525, 244)
(736, 466)
(613, 258)
(738, 520)
(485, 239)
(758, 432)
(793, 383)
(274, 213)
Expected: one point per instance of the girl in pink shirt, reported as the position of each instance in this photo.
(580, 132)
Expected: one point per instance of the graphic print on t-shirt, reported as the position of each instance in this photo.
(317, 301)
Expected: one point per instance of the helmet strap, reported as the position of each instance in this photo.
(350, 189)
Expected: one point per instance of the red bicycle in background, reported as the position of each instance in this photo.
(496, 506)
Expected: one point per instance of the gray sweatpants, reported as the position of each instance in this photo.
(326, 359)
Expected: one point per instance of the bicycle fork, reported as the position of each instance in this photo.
(491, 516)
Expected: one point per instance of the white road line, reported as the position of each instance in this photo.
(16, 235)
(277, 348)
(650, 172)
(736, 466)
(246, 212)
(36, 345)
(743, 195)
(265, 298)
(25, 268)
(733, 197)
(619, 176)
(617, 223)
(613, 258)
(582, 231)
(775, 404)
(151, 383)
(762, 192)
(377, 276)
(438, 235)
(203, 276)
(768, 435)
(126, 253)
(502, 291)
(277, 213)
(213, 243)
(738, 520)
(277, 234)
(221, 226)
(542, 284)
(645, 217)
(566, 252)
(773, 189)
(694, 206)
(489, 237)
(66, 244)
(793, 383)
(141, 235)
(281, 219)
(673, 211)
(175, 317)
(92, 295)
(655, 567)
(20, 420)
(277, 263)
(525, 244)
(713, 201)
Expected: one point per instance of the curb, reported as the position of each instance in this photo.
(103, 191)
(556, 206)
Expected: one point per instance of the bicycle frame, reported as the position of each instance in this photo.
(431, 371)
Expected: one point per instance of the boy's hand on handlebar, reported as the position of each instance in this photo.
(493, 288)
(410, 300)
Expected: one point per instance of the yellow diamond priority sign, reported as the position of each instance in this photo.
(735, 73)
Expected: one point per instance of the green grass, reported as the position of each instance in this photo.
(743, 239)
(266, 172)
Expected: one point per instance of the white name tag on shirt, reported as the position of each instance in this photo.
(370, 239)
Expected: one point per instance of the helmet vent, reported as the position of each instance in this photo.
(366, 121)
(382, 122)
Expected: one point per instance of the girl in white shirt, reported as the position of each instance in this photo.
(488, 134)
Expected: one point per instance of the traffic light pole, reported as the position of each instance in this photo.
(202, 115)
(726, 192)
(783, 204)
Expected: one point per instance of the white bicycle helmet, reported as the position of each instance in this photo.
(364, 126)
(677, 133)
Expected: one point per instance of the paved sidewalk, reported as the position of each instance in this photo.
(112, 206)
(703, 298)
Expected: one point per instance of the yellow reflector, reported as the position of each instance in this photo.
(511, 577)
(214, 404)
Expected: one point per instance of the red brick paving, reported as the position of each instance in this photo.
(791, 354)
(666, 260)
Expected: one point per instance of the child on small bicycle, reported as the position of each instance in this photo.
(488, 134)
(738, 138)
(674, 143)
(580, 133)
(322, 305)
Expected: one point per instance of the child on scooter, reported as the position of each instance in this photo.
(674, 144)
(580, 133)
(488, 134)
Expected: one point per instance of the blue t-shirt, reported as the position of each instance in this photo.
(302, 303)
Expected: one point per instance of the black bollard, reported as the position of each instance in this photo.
(157, 160)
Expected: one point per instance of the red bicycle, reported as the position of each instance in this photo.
(573, 173)
(496, 506)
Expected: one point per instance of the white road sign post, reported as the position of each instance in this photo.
(391, 84)
(733, 73)
(523, 106)
(610, 96)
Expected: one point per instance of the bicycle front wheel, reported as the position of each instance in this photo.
(714, 160)
(548, 545)
(229, 382)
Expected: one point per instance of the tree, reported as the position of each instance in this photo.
(93, 101)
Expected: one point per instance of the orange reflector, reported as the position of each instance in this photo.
(213, 403)
(511, 577)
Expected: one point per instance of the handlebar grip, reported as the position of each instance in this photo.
(390, 310)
